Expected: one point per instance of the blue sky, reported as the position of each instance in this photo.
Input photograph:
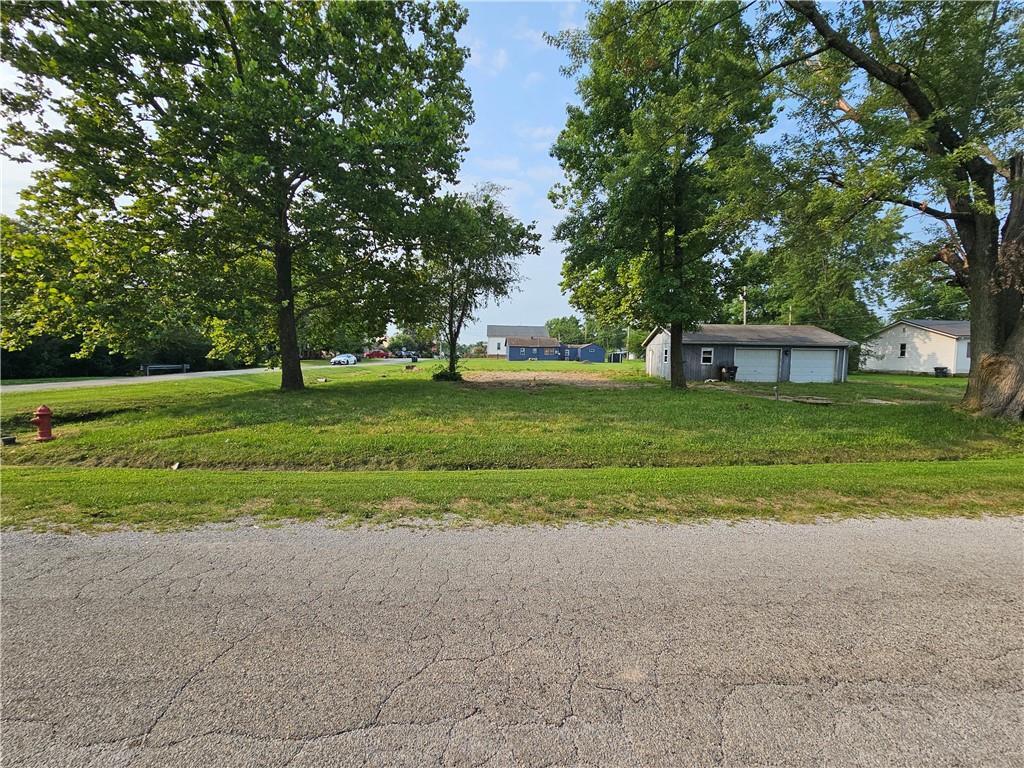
(520, 98)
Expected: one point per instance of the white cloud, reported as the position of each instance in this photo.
(534, 37)
(482, 58)
(14, 177)
(532, 79)
(500, 59)
(500, 164)
(548, 173)
(567, 16)
(538, 137)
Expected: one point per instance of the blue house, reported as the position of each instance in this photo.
(533, 348)
(590, 353)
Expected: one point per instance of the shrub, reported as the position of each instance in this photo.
(443, 374)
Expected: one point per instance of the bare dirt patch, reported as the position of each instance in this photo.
(529, 379)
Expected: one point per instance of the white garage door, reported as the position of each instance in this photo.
(812, 365)
(757, 365)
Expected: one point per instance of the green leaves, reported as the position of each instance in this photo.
(471, 247)
(655, 159)
(201, 140)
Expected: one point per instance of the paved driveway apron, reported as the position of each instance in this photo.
(882, 643)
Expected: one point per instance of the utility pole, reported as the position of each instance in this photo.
(790, 313)
(744, 297)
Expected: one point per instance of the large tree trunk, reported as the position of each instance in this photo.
(677, 376)
(287, 336)
(996, 383)
(995, 281)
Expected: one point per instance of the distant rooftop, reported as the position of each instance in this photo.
(503, 331)
(532, 341)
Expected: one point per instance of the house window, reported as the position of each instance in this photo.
(664, 355)
(707, 355)
(499, 346)
(535, 350)
(903, 350)
(968, 350)
(522, 350)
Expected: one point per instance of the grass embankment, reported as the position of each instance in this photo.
(97, 499)
(621, 447)
(384, 418)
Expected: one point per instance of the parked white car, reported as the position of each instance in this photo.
(344, 359)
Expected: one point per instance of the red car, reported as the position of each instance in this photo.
(375, 354)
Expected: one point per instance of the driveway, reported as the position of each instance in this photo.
(43, 386)
(868, 643)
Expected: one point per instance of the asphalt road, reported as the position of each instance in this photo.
(866, 643)
(116, 381)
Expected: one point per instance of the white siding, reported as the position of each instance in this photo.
(925, 351)
(496, 345)
(656, 364)
(963, 361)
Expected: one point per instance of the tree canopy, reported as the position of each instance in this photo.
(647, 194)
(873, 108)
(471, 247)
(917, 107)
(248, 164)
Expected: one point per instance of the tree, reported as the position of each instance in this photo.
(748, 273)
(647, 189)
(610, 335)
(568, 330)
(252, 162)
(905, 105)
(471, 248)
(898, 105)
(413, 339)
(921, 287)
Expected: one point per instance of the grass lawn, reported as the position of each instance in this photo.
(95, 499)
(53, 380)
(898, 388)
(385, 418)
(392, 429)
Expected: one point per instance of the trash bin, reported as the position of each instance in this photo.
(941, 371)
(727, 373)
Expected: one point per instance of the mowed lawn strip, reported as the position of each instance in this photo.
(101, 498)
(386, 418)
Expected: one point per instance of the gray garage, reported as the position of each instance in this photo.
(797, 353)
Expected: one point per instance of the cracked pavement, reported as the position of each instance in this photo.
(861, 643)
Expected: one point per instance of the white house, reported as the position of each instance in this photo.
(919, 346)
(496, 335)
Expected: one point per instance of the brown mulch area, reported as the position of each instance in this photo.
(526, 379)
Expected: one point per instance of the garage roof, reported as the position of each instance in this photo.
(759, 335)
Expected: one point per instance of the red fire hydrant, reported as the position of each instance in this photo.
(44, 424)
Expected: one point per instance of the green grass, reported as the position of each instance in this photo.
(54, 379)
(385, 418)
(898, 388)
(415, 448)
(98, 499)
